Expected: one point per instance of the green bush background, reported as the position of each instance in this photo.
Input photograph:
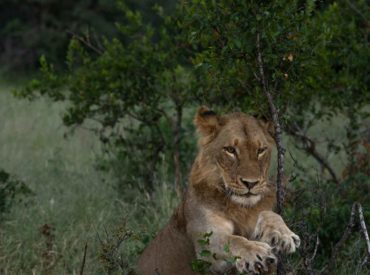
(89, 142)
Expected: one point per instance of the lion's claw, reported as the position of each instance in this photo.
(297, 240)
(272, 230)
(256, 259)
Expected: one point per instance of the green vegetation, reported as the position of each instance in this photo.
(103, 142)
(80, 204)
(73, 203)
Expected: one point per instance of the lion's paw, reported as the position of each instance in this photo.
(272, 230)
(281, 241)
(257, 258)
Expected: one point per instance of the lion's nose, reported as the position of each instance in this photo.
(249, 183)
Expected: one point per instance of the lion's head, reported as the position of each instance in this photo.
(234, 155)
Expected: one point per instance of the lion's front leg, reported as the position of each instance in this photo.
(227, 251)
(248, 257)
(271, 229)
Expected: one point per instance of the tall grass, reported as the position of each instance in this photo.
(73, 202)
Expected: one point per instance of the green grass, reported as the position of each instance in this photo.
(79, 202)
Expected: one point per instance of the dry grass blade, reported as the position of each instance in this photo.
(83, 260)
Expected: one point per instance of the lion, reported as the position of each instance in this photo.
(229, 198)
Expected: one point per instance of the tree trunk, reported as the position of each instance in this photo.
(279, 143)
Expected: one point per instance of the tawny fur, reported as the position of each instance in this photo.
(228, 195)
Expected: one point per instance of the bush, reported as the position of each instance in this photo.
(11, 191)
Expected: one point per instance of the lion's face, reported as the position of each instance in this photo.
(237, 149)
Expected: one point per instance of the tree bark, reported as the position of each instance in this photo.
(277, 127)
(278, 139)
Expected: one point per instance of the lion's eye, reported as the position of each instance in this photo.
(262, 150)
(230, 150)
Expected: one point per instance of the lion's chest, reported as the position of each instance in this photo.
(244, 222)
(245, 227)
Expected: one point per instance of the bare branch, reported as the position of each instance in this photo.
(86, 41)
(315, 250)
(363, 228)
(310, 148)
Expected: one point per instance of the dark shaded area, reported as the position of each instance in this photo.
(29, 29)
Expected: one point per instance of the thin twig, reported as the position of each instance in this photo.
(83, 261)
(86, 42)
(315, 250)
(307, 259)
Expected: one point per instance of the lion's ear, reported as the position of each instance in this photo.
(268, 128)
(206, 121)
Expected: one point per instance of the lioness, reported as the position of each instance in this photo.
(230, 197)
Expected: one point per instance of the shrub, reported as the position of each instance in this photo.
(11, 191)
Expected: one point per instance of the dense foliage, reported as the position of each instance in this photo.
(311, 53)
(137, 90)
